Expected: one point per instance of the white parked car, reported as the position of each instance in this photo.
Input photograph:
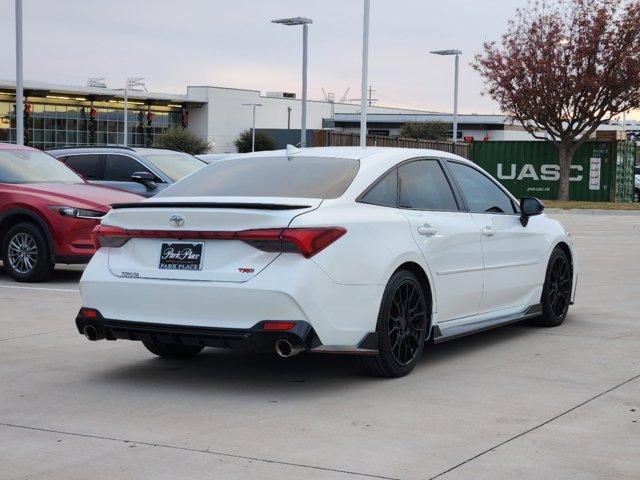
(371, 252)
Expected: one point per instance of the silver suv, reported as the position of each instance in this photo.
(143, 171)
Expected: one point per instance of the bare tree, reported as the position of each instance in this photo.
(565, 67)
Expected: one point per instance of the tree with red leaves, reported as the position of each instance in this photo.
(565, 67)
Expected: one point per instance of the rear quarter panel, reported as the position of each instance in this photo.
(377, 242)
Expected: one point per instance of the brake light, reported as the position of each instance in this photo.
(306, 241)
(310, 241)
(106, 236)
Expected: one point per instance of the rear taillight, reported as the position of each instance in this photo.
(306, 241)
(106, 236)
(310, 241)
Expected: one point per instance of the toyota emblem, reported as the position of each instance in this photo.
(176, 220)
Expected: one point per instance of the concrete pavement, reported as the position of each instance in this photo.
(517, 402)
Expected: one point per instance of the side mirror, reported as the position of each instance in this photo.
(145, 178)
(530, 207)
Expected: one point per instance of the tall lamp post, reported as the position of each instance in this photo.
(305, 40)
(19, 80)
(365, 74)
(132, 82)
(457, 54)
(253, 123)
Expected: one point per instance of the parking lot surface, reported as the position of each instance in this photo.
(516, 402)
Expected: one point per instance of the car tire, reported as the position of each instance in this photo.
(401, 328)
(557, 289)
(26, 253)
(167, 350)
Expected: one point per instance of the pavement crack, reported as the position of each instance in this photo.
(197, 450)
(536, 427)
(33, 335)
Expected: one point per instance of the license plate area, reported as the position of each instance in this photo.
(181, 256)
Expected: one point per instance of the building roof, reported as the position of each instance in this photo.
(75, 92)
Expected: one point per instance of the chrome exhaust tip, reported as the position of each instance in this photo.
(90, 332)
(286, 349)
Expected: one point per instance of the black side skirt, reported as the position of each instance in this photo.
(441, 333)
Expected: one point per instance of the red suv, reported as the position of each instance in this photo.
(47, 213)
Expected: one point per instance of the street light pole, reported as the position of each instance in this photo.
(455, 101)
(126, 113)
(303, 121)
(457, 54)
(365, 74)
(294, 21)
(253, 123)
(19, 79)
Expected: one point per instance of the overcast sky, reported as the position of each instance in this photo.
(232, 43)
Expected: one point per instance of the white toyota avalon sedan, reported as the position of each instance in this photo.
(372, 252)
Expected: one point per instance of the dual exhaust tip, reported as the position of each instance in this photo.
(286, 349)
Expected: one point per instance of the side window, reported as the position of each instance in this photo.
(385, 192)
(86, 165)
(424, 186)
(481, 193)
(119, 168)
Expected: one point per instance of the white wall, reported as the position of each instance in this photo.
(223, 116)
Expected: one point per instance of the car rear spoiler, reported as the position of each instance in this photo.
(247, 206)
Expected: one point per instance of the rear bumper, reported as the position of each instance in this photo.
(291, 288)
(254, 338)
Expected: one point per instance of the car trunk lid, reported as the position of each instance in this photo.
(201, 233)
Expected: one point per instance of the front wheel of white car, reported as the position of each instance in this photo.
(167, 350)
(401, 328)
(556, 292)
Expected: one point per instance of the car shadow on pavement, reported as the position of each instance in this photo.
(61, 274)
(306, 374)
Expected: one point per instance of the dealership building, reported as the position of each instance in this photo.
(65, 115)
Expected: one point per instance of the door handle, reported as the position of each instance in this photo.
(427, 230)
(488, 231)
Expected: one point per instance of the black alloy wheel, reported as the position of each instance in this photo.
(556, 293)
(402, 328)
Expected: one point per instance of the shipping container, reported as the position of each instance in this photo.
(625, 155)
(531, 169)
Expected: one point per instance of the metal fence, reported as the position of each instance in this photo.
(329, 138)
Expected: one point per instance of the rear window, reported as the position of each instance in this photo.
(303, 177)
